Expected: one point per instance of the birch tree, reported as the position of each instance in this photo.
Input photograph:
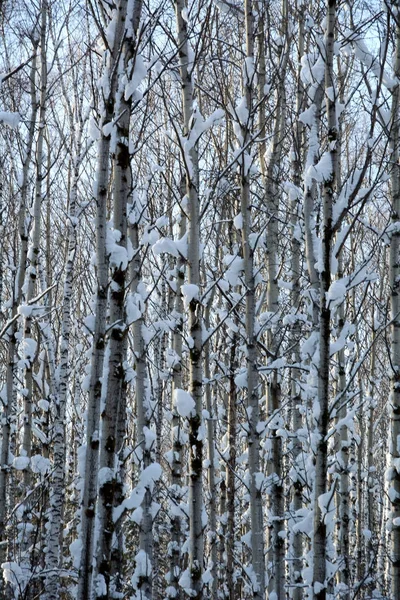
(113, 411)
(54, 555)
(295, 389)
(108, 97)
(257, 529)
(191, 159)
(394, 490)
(321, 496)
(17, 299)
(34, 250)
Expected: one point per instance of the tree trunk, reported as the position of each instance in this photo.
(295, 389)
(394, 274)
(329, 186)
(195, 318)
(176, 489)
(276, 581)
(33, 255)
(12, 331)
(110, 484)
(253, 410)
(54, 555)
(98, 350)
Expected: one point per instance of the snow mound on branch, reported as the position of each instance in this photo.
(320, 172)
(336, 293)
(134, 307)
(139, 73)
(238, 221)
(190, 291)
(20, 463)
(174, 247)
(44, 405)
(40, 464)
(143, 568)
(14, 575)
(11, 119)
(76, 550)
(235, 266)
(307, 117)
(29, 347)
(150, 475)
(184, 403)
(100, 585)
(326, 503)
(118, 254)
(185, 583)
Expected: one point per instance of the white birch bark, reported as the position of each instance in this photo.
(329, 187)
(295, 389)
(276, 579)
(108, 463)
(54, 543)
(110, 484)
(394, 275)
(230, 537)
(34, 250)
(89, 498)
(195, 319)
(359, 568)
(29, 345)
(17, 296)
(256, 507)
(176, 490)
(144, 584)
